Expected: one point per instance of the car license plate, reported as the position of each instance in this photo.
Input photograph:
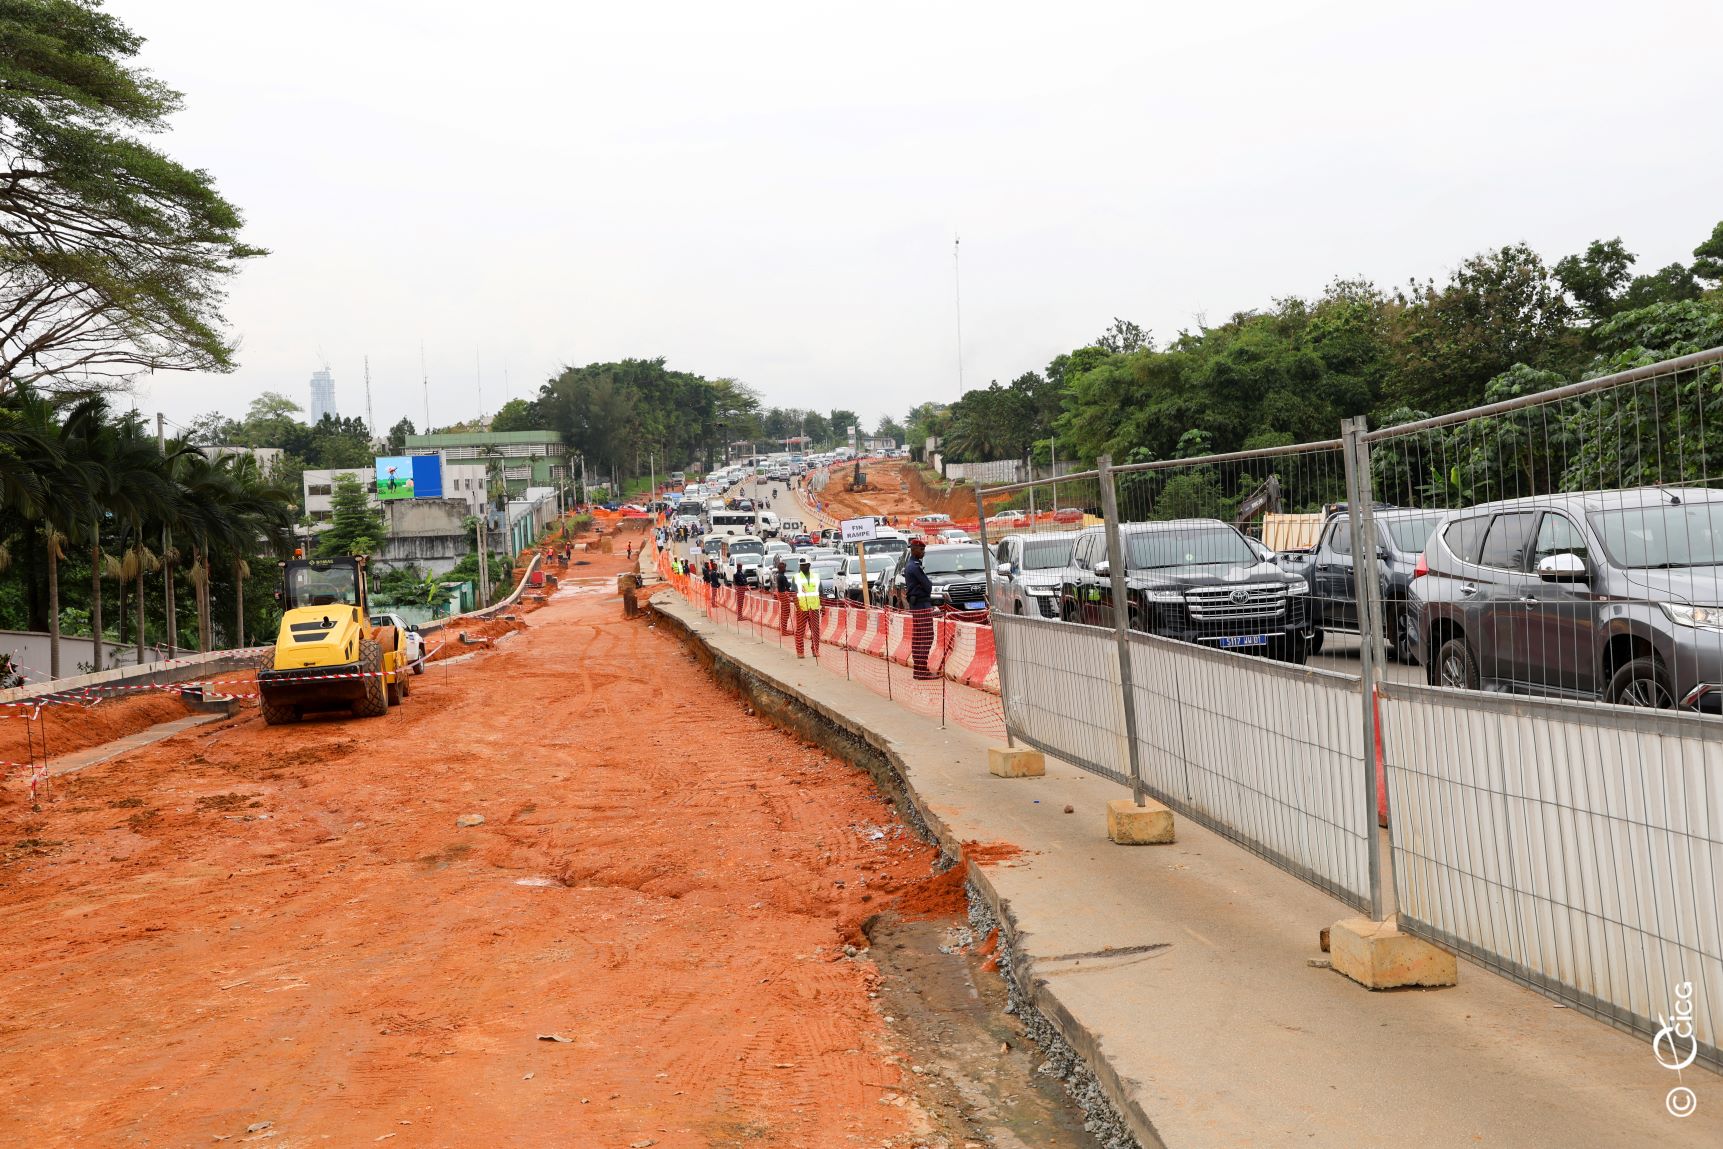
(974, 606)
(1232, 641)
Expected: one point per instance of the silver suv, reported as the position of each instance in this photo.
(1030, 571)
(1609, 595)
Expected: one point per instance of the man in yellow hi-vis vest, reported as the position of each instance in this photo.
(807, 608)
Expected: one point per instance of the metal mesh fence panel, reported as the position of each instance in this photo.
(1551, 569)
(1226, 597)
(1570, 846)
(1268, 755)
(1061, 692)
(1200, 608)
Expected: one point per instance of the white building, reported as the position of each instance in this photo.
(268, 458)
(322, 395)
(463, 481)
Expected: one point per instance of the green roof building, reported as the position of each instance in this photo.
(528, 458)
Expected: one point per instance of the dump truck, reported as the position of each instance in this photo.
(328, 654)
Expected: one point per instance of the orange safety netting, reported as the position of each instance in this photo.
(946, 672)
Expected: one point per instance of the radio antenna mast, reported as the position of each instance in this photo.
(427, 381)
(370, 419)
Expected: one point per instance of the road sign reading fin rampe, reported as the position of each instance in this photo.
(863, 530)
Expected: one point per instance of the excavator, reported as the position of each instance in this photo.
(328, 655)
(1265, 500)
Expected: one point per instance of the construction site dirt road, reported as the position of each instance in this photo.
(291, 935)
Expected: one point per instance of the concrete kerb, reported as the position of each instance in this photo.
(1040, 1012)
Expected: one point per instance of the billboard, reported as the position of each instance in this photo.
(409, 477)
(427, 476)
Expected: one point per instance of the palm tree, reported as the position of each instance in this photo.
(52, 496)
(265, 511)
(227, 507)
(127, 479)
(187, 508)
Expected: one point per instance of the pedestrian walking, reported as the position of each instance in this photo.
(807, 608)
(918, 591)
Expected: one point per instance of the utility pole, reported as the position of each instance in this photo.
(426, 378)
(957, 282)
(484, 556)
(167, 567)
(1053, 453)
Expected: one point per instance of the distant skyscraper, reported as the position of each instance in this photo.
(322, 396)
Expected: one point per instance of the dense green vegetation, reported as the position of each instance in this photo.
(94, 512)
(1505, 323)
(627, 417)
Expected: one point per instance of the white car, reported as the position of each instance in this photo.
(415, 642)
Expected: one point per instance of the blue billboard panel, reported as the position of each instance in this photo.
(427, 476)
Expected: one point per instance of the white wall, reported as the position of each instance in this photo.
(29, 650)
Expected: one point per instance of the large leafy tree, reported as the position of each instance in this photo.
(355, 525)
(1596, 277)
(515, 415)
(628, 416)
(396, 444)
(840, 421)
(113, 257)
(1498, 308)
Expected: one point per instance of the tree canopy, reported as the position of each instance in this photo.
(1502, 321)
(621, 416)
(113, 257)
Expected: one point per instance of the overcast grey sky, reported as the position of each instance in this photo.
(770, 191)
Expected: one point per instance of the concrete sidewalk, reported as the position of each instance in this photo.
(1205, 1024)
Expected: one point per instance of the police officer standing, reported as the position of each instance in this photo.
(918, 590)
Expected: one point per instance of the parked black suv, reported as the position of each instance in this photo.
(1329, 569)
(1609, 595)
(1196, 580)
(958, 572)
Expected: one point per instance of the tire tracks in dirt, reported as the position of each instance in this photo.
(288, 926)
